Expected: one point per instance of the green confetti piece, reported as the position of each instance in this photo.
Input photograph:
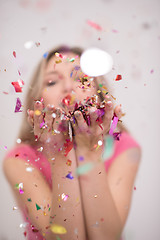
(37, 206)
(84, 168)
(29, 200)
(108, 148)
(100, 85)
(16, 185)
(58, 238)
(49, 209)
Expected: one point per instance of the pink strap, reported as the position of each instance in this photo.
(126, 141)
(32, 156)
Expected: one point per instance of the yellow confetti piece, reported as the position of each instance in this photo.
(113, 97)
(58, 229)
(37, 112)
(58, 61)
(98, 91)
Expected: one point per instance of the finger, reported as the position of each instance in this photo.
(49, 119)
(38, 118)
(118, 111)
(30, 117)
(81, 125)
(108, 115)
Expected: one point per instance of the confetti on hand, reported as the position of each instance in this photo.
(58, 229)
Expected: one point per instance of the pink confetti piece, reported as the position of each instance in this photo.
(21, 191)
(18, 106)
(94, 25)
(114, 30)
(113, 125)
(151, 71)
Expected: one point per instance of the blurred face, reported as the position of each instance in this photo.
(63, 79)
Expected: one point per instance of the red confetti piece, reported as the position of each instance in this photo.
(17, 86)
(5, 92)
(119, 77)
(25, 234)
(14, 54)
(68, 145)
(94, 25)
(134, 188)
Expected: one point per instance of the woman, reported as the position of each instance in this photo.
(58, 177)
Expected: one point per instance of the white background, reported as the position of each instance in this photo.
(131, 34)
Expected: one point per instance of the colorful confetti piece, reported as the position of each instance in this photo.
(38, 207)
(18, 105)
(58, 229)
(84, 168)
(108, 148)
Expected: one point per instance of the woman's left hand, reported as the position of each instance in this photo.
(87, 135)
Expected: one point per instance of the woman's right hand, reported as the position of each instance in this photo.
(50, 127)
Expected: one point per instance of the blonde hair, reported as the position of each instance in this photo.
(26, 133)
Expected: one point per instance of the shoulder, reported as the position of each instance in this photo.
(125, 145)
(13, 158)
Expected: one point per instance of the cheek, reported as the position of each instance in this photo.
(50, 97)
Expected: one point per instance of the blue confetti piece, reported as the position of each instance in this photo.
(45, 55)
(69, 176)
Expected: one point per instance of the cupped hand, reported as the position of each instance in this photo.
(50, 127)
(90, 126)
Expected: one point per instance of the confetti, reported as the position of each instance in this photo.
(84, 168)
(113, 125)
(45, 54)
(94, 25)
(18, 85)
(29, 200)
(108, 148)
(69, 162)
(64, 197)
(18, 140)
(69, 175)
(118, 77)
(18, 105)
(29, 169)
(15, 208)
(37, 206)
(14, 54)
(21, 191)
(81, 158)
(56, 228)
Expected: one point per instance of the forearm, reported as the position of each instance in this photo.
(66, 209)
(102, 219)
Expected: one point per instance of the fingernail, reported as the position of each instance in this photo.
(38, 102)
(109, 103)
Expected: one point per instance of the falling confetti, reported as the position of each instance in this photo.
(113, 125)
(69, 175)
(14, 54)
(18, 105)
(84, 168)
(118, 77)
(37, 206)
(108, 148)
(45, 54)
(55, 228)
(94, 25)
(69, 162)
(64, 197)
(18, 85)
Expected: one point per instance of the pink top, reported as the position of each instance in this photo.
(38, 160)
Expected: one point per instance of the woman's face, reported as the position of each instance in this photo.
(65, 79)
